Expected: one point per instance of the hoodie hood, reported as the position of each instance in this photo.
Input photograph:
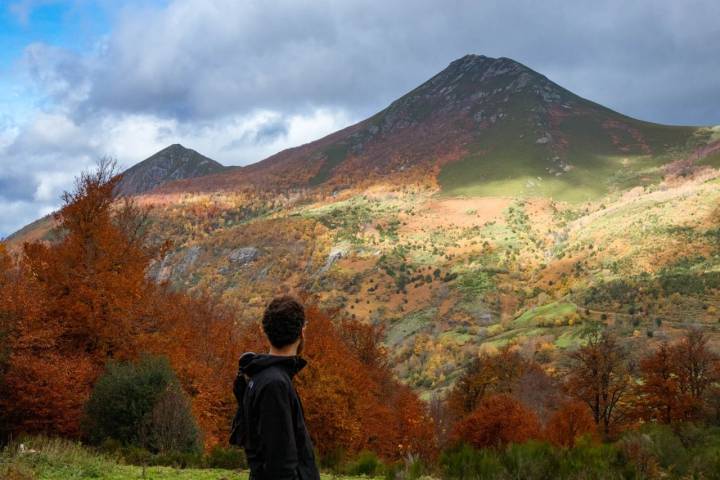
(252, 363)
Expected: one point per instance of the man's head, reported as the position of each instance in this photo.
(283, 322)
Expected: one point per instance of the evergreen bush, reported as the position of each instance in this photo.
(141, 404)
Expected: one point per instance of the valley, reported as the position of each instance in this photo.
(447, 277)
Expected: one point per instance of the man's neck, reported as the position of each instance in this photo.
(289, 351)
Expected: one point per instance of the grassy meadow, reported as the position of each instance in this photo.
(57, 459)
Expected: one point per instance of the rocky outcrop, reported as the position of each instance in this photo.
(335, 254)
(244, 255)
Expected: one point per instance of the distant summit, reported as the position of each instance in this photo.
(482, 126)
(172, 163)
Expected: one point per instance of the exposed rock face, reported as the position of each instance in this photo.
(335, 254)
(245, 255)
(172, 163)
(175, 264)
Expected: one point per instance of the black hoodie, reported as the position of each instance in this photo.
(270, 423)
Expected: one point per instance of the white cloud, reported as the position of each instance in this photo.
(50, 186)
(13, 211)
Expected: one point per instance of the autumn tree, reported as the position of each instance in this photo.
(365, 340)
(5, 306)
(570, 422)
(6, 268)
(697, 369)
(497, 421)
(200, 338)
(87, 291)
(487, 374)
(352, 402)
(660, 396)
(95, 276)
(598, 375)
(538, 390)
(85, 299)
(677, 380)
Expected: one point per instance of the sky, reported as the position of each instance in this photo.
(239, 80)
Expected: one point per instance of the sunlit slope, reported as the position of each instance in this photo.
(573, 150)
(447, 277)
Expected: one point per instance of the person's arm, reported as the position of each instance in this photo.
(277, 434)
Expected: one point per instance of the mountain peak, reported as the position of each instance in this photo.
(174, 162)
(484, 87)
(481, 125)
(176, 147)
(482, 61)
(478, 77)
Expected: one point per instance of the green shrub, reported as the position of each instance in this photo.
(392, 471)
(666, 447)
(110, 446)
(531, 461)
(705, 464)
(367, 463)
(590, 461)
(141, 404)
(537, 460)
(123, 398)
(228, 458)
(465, 463)
(688, 450)
(415, 468)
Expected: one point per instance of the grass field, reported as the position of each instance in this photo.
(550, 311)
(56, 459)
(595, 153)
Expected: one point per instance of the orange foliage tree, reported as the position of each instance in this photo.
(199, 337)
(697, 368)
(498, 420)
(570, 422)
(598, 376)
(677, 380)
(85, 294)
(6, 326)
(84, 299)
(659, 395)
(487, 374)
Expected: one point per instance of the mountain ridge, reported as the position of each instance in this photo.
(451, 131)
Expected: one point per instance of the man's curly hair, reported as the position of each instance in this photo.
(283, 321)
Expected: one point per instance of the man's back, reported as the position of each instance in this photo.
(277, 443)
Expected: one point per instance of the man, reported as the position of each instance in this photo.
(270, 423)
